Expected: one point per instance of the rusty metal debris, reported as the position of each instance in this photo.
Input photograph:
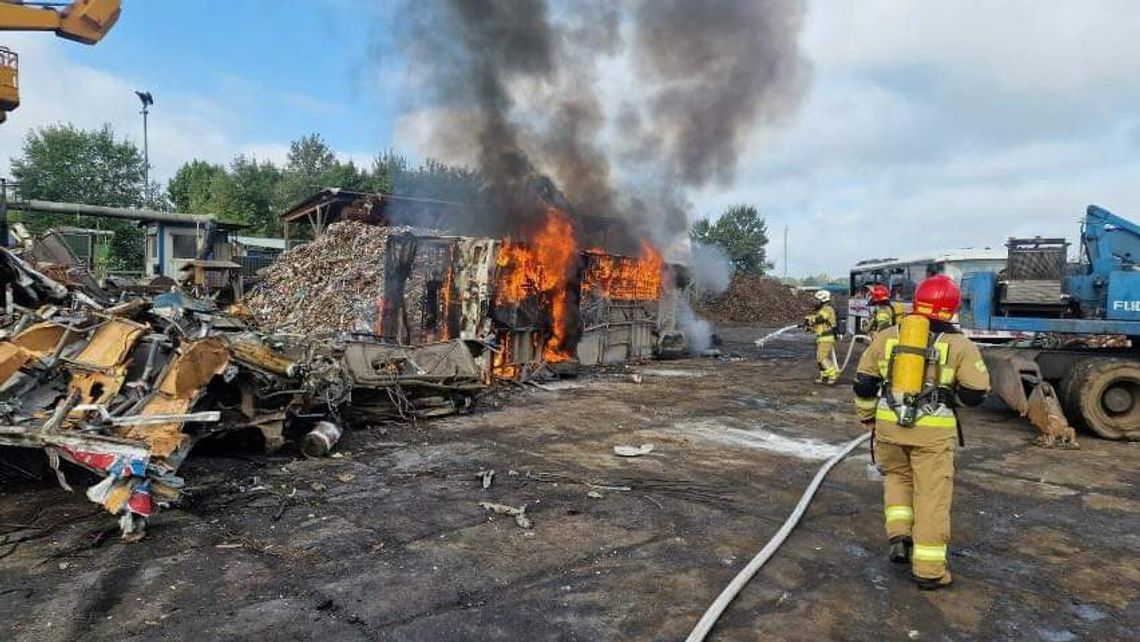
(124, 388)
(518, 512)
(1044, 412)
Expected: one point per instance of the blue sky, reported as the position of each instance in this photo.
(926, 125)
(287, 68)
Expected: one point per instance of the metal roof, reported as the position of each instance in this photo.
(261, 241)
(939, 256)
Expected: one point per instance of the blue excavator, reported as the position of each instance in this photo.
(1084, 359)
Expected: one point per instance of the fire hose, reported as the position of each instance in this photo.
(734, 587)
(850, 348)
(846, 360)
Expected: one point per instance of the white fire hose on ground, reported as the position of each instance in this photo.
(846, 360)
(705, 624)
(734, 587)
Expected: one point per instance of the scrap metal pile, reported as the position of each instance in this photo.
(331, 284)
(125, 387)
(756, 299)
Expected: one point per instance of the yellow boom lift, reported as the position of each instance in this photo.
(85, 21)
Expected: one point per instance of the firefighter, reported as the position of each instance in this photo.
(823, 323)
(882, 314)
(916, 430)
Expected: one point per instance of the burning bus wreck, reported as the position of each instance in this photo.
(548, 295)
(539, 304)
(496, 293)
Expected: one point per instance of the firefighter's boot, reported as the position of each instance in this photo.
(901, 549)
(928, 584)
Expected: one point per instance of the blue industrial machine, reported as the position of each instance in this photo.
(1069, 306)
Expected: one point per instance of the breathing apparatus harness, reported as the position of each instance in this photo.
(905, 388)
(907, 406)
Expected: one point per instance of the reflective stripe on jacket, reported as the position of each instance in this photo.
(959, 363)
(823, 322)
(882, 317)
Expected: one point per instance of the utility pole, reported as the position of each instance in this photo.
(3, 212)
(147, 100)
(785, 253)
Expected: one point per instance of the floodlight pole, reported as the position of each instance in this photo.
(146, 100)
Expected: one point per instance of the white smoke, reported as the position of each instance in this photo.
(698, 331)
(711, 269)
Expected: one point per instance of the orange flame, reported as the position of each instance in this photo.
(624, 278)
(542, 267)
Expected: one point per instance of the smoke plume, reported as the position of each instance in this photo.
(625, 106)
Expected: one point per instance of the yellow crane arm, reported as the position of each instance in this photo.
(85, 21)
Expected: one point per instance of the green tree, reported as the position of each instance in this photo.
(194, 187)
(309, 163)
(254, 184)
(387, 169)
(743, 235)
(345, 175)
(241, 193)
(63, 163)
(310, 156)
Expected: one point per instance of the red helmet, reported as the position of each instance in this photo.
(938, 298)
(879, 293)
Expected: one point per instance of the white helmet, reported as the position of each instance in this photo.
(823, 296)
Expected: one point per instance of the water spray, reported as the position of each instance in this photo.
(764, 339)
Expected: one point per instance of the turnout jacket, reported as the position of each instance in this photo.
(959, 375)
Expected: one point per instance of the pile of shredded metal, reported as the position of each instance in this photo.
(333, 284)
(756, 299)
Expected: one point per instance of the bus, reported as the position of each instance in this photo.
(902, 276)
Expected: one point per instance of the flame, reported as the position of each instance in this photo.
(444, 323)
(622, 277)
(542, 267)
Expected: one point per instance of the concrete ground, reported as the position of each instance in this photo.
(388, 541)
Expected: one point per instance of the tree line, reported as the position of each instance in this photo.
(64, 163)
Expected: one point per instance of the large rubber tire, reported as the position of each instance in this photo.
(1102, 395)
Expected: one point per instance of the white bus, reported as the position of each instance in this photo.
(902, 276)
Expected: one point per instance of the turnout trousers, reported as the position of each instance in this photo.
(918, 485)
(825, 357)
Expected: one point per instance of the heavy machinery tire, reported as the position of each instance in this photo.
(1103, 395)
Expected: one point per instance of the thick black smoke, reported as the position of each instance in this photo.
(524, 83)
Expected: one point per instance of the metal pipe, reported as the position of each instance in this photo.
(124, 213)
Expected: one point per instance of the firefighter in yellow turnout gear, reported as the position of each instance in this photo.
(907, 394)
(822, 323)
(882, 314)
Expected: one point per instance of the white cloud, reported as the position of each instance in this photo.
(949, 124)
(56, 88)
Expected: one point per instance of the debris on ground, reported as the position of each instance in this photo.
(485, 476)
(756, 299)
(125, 387)
(1045, 413)
(633, 451)
(320, 440)
(519, 512)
